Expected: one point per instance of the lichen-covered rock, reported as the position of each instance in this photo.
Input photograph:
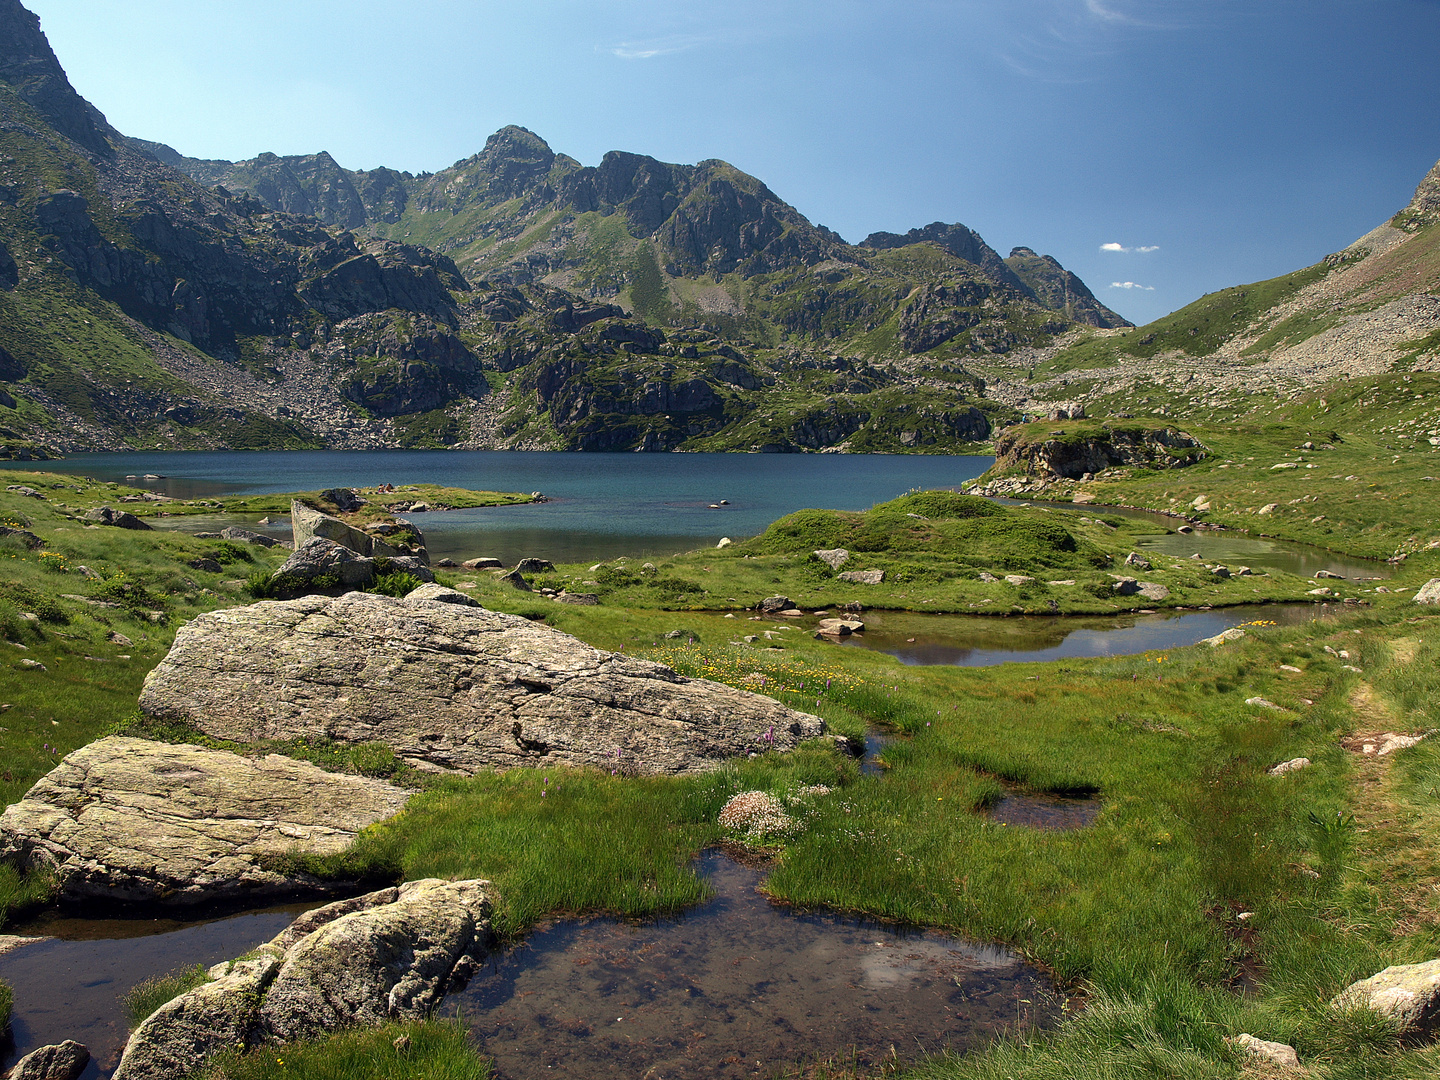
(59, 1061)
(862, 577)
(177, 1038)
(321, 565)
(129, 819)
(1277, 1053)
(833, 557)
(392, 962)
(387, 955)
(451, 686)
(1153, 590)
(248, 536)
(440, 594)
(1409, 994)
(1429, 593)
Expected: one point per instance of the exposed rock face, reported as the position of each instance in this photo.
(134, 820)
(389, 955)
(120, 519)
(308, 523)
(321, 565)
(1074, 456)
(60, 1061)
(1407, 993)
(390, 962)
(1059, 289)
(450, 686)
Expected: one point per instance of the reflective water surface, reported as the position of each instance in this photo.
(739, 987)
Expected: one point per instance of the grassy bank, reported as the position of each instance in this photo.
(1364, 484)
(1202, 877)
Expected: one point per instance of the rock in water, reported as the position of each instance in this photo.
(389, 955)
(60, 1061)
(129, 819)
(1409, 994)
(450, 686)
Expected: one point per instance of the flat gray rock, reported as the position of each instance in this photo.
(129, 819)
(862, 577)
(452, 687)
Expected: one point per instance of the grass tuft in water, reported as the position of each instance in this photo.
(142, 999)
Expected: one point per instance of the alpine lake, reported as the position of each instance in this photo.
(737, 985)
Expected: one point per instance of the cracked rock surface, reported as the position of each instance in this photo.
(452, 687)
(134, 820)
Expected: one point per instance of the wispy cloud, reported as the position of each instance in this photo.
(645, 50)
(1065, 41)
(1131, 285)
(1112, 246)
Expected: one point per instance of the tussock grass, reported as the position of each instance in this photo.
(433, 1050)
(146, 996)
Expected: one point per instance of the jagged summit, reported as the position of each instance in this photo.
(1424, 206)
(29, 67)
(1060, 290)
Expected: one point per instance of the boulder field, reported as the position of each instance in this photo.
(450, 686)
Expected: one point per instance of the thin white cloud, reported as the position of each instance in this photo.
(1131, 285)
(645, 50)
(1106, 14)
(1112, 246)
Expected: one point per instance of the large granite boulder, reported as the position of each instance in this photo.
(129, 819)
(321, 565)
(452, 687)
(308, 523)
(1429, 593)
(388, 955)
(1408, 994)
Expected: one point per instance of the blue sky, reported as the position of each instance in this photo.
(1214, 141)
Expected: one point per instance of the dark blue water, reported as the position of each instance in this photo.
(602, 505)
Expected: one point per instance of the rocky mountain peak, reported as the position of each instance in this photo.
(29, 66)
(1425, 206)
(960, 241)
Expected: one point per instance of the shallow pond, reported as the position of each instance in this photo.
(985, 640)
(732, 987)
(739, 986)
(73, 985)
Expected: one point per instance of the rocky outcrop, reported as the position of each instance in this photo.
(451, 687)
(389, 955)
(307, 523)
(1074, 454)
(120, 519)
(60, 1061)
(1408, 994)
(134, 820)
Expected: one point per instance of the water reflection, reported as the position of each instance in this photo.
(983, 640)
(738, 987)
(73, 987)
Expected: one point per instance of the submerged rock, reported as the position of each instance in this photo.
(388, 955)
(452, 687)
(134, 820)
